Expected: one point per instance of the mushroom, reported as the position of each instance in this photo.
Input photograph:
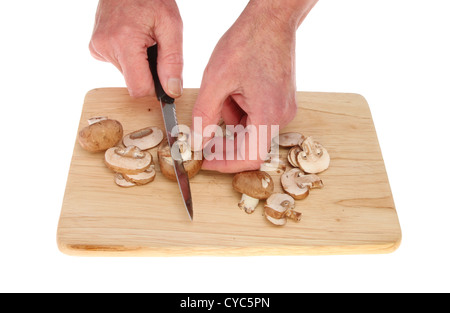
(292, 156)
(313, 158)
(142, 178)
(192, 165)
(122, 182)
(145, 138)
(129, 160)
(254, 186)
(101, 134)
(280, 206)
(290, 139)
(297, 184)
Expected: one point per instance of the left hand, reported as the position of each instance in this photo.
(249, 80)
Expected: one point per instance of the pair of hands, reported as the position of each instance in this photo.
(249, 80)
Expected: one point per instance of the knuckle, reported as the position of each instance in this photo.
(139, 91)
(99, 42)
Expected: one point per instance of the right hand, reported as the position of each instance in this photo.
(123, 31)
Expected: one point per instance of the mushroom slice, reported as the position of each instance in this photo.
(279, 206)
(145, 138)
(290, 186)
(192, 166)
(254, 186)
(129, 160)
(289, 139)
(101, 134)
(311, 181)
(142, 178)
(313, 158)
(297, 184)
(292, 155)
(122, 182)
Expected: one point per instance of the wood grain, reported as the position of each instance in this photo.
(353, 214)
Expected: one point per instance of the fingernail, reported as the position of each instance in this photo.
(174, 86)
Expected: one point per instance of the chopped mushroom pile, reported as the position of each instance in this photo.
(306, 158)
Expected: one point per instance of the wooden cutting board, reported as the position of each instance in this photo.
(353, 214)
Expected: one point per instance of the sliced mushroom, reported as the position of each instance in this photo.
(145, 138)
(192, 165)
(122, 182)
(142, 178)
(280, 206)
(290, 186)
(313, 158)
(129, 160)
(254, 186)
(292, 156)
(101, 134)
(289, 139)
(297, 184)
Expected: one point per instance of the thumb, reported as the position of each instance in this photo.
(170, 57)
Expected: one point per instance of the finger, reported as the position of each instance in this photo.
(169, 36)
(136, 71)
(246, 152)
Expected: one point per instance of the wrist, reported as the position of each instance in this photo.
(287, 13)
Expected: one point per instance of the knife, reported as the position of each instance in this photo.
(170, 121)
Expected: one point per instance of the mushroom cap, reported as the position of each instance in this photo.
(313, 158)
(192, 166)
(289, 139)
(145, 138)
(100, 135)
(290, 186)
(256, 184)
(130, 160)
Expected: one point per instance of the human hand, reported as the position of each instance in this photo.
(123, 31)
(249, 81)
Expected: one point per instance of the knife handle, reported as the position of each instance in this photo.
(152, 54)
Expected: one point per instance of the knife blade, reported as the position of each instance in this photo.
(170, 122)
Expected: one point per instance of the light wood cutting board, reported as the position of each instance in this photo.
(353, 214)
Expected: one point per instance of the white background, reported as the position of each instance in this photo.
(395, 53)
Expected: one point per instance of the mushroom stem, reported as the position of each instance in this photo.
(296, 216)
(248, 204)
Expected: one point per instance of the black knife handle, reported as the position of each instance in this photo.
(152, 54)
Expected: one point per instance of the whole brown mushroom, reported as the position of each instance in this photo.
(101, 134)
(254, 186)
